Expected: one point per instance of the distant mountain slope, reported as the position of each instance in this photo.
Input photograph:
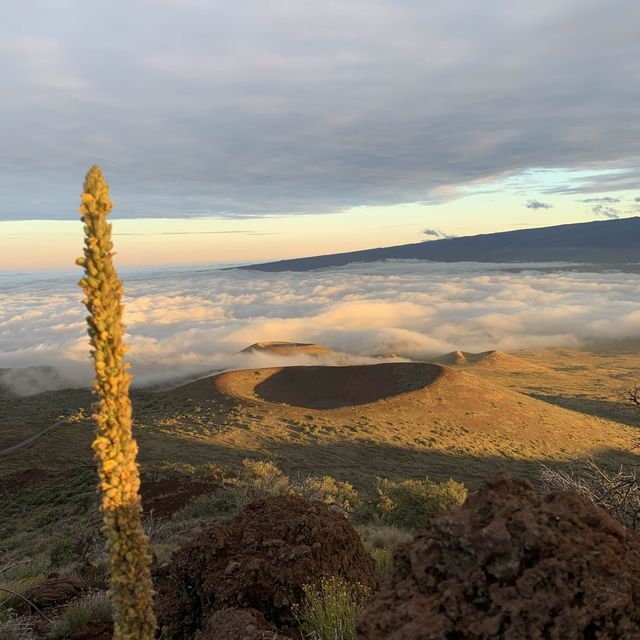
(602, 242)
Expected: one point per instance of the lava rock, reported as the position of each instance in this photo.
(514, 565)
(259, 560)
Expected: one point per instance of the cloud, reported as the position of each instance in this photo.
(605, 200)
(187, 323)
(536, 204)
(615, 178)
(263, 108)
(606, 212)
(436, 233)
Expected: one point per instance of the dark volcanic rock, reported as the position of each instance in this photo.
(238, 624)
(93, 631)
(514, 565)
(259, 560)
(55, 591)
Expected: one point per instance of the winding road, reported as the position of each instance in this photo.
(33, 438)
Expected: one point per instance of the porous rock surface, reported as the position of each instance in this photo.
(92, 631)
(514, 565)
(259, 560)
(54, 591)
(238, 624)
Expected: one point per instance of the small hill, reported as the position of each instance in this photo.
(453, 359)
(599, 242)
(358, 422)
(497, 360)
(276, 348)
(400, 419)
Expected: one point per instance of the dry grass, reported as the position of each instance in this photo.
(330, 609)
(95, 607)
(462, 426)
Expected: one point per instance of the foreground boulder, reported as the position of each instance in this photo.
(514, 565)
(53, 592)
(238, 624)
(259, 560)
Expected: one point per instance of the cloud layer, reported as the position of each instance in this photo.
(255, 108)
(183, 323)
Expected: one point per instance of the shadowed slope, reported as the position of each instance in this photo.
(330, 387)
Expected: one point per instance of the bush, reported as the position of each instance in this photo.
(168, 470)
(618, 493)
(335, 493)
(383, 559)
(92, 608)
(330, 609)
(220, 504)
(263, 478)
(61, 552)
(412, 503)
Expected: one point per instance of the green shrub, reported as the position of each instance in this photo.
(61, 552)
(365, 512)
(169, 470)
(262, 478)
(330, 609)
(95, 607)
(412, 503)
(220, 504)
(383, 559)
(335, 493)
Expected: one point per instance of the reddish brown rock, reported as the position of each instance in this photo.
(513, 565)
(259, 560)
(93, 631)
(238, 624)
(55, 591)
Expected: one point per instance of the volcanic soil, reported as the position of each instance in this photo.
(358, 422)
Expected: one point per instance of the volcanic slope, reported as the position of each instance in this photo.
(288, 349)
(498, 360)
(399, 420)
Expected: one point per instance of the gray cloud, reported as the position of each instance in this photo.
(536, 204)
(183, 323)
(617, 179)
(606, 212)
(259, 108)
(604, 200)
(436, 233)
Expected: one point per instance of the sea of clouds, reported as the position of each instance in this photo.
(187, 322)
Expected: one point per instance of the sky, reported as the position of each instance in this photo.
(250, 131)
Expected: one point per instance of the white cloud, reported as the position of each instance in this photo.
(186, 323)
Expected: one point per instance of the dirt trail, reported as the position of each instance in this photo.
(33, 438)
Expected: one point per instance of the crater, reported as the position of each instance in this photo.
(326, 387)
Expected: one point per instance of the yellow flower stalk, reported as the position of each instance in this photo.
(114, 446)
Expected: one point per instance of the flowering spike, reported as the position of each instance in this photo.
(114, 446)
